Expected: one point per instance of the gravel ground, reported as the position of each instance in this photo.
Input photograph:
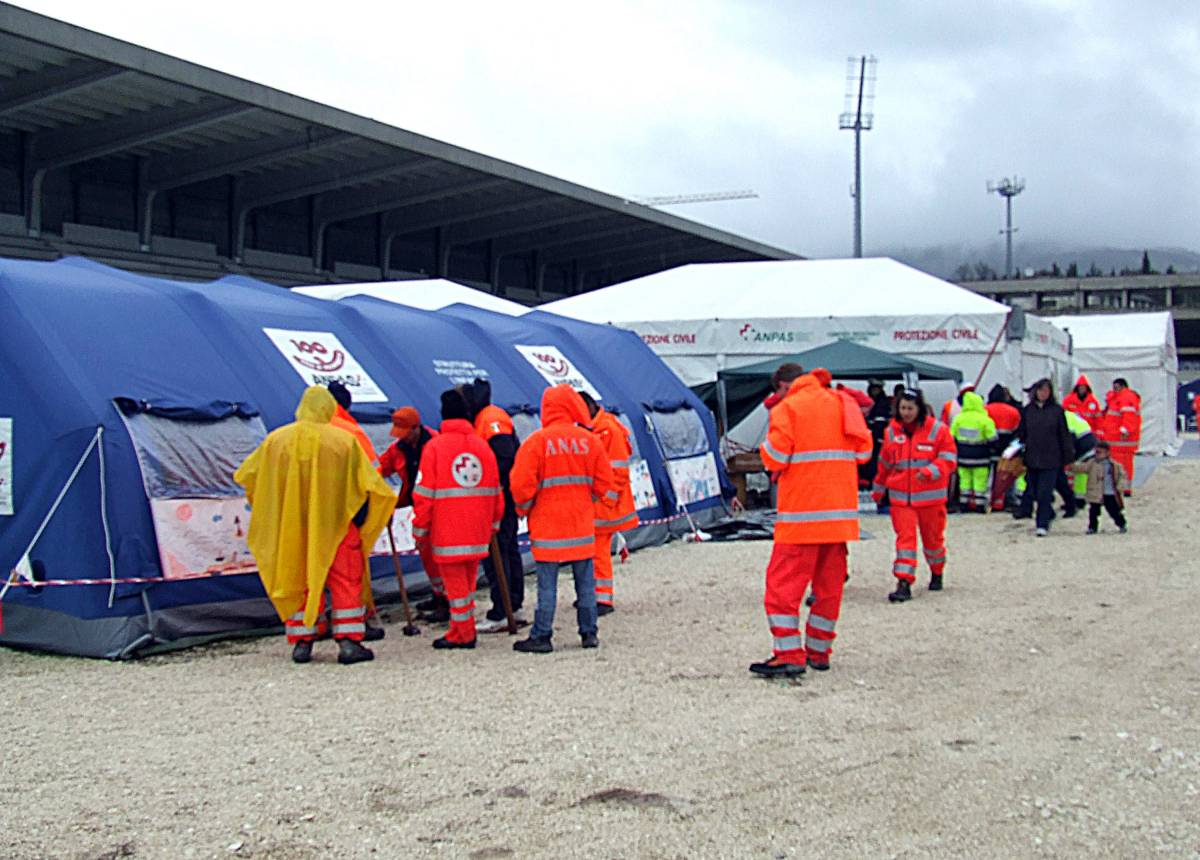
(1045, 704)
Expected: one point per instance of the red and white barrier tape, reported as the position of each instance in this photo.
(18, 582)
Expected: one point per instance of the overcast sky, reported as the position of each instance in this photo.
(1095, 103)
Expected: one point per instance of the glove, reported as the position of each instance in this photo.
(924, 474)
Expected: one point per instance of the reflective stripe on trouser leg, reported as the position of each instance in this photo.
(431, 568)
(829, 578)
(932, 523)
(345, 584)
(904, 522)
(603, 567)
(297, 632)
(459, 579)
(789, 572)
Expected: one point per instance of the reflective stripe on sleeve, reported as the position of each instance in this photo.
(619, 464)
(427, 492)
(565, 481)
(607, 524)
(948, 455)
(612, 496)
(815, 516)
(419, 532)
(935, 472)
(774, 452)
(459, 550)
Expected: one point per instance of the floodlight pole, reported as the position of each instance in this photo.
(857, 117)
(1008, 189)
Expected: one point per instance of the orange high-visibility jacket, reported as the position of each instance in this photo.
(915, 467)
(560, 471)
(615, 437)
(1087, 408)
(493, 421)
(1122, 424)
(344, 420)
(457, 503)
(1005, 416)
(815, 440)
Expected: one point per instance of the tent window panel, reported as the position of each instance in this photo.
(192, 459)
(633, 440)
(680, 432)
(525, 424)
(380, 434)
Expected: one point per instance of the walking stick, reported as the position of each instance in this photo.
(410, 629)
(502, 585)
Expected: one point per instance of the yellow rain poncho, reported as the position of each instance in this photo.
(305, 483)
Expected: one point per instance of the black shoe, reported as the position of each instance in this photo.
(1021, 515)
(603, 609)
(438, 615)
(819, 664)
(589, 640)
(935, 582)
(902, 593)
(810, 600)
(302, 652)
(444, 644)
(1068, 514)
(374, 634)
(496, 613)
(534, 646)
(427, 604)
(350, 652)
(1090, 531)
(772, 668)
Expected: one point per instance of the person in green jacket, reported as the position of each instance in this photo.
(974, 432)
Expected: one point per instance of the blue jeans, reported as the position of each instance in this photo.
(585, 593)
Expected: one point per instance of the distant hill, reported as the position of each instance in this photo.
(946, 260)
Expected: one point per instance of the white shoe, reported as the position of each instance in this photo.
(486, 626)
(1043, 532)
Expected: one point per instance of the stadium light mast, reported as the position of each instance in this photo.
(1008, 189)
(701, 197)
(857, 117)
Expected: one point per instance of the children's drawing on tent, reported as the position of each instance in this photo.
(6, 493)
(642, 485)
(556, 368)
(198, 537)
(319, 357)
(695, 478)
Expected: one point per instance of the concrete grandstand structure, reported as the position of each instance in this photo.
(158, 165)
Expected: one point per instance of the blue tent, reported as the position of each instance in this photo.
(128, 401)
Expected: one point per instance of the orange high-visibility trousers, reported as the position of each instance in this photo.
(1123, 453)
(931, 522)
(791, 568)
(344, 583)
(459, 580)
(603, 567)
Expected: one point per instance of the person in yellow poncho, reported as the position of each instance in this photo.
(317, 508)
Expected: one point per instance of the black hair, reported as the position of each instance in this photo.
(913, 395)
(341, 394)
(1120, 380)
(1033, 389)
(590, 402)
(454, 405)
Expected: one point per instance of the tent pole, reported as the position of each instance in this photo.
(722, 407)
(992, 351)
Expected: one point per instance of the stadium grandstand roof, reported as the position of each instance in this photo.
(155, 164)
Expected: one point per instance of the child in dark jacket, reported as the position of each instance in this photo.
(1107, 483)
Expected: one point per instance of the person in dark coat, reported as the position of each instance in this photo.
(878, 417)
(1049, 448)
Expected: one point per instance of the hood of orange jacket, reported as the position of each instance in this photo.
(1082, 380)
(562, 404)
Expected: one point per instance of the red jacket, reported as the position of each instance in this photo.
(1122, 422)
(560, 471)
(1005, 416)
(615, 439)
(403, 460)
(1086, 407)
(915, 468)
(457, 502)
(493, 421)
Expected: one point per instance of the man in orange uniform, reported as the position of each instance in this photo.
(1006, 418)
(815, 441)
(457, 505)
(495, 427)
(403, 459)
(610, 520)
(1121, 426)
(318, 507)
(561, 470)
(1083, 403)
(344, 420)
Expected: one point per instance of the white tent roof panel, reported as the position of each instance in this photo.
(431, 295)
(877, 287)
(1106, 331)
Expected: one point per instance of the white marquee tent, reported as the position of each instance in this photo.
(705, 317)
(428, 295)
(1140, 348)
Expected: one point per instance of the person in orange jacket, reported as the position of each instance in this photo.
(1121, 426)
(457, 505)
(781, 381)
(609, 519)
(403, 459)
(561, 470)
(1007, 419)
(1083, 403)
(915, 465)
(495, 427)
(815, 441)
(344, 420)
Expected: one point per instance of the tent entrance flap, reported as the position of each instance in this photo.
(746, 386)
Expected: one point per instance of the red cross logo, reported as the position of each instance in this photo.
(467, 470)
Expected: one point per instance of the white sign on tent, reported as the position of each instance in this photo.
(320, 358)
(6, 494)
(556, 368)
